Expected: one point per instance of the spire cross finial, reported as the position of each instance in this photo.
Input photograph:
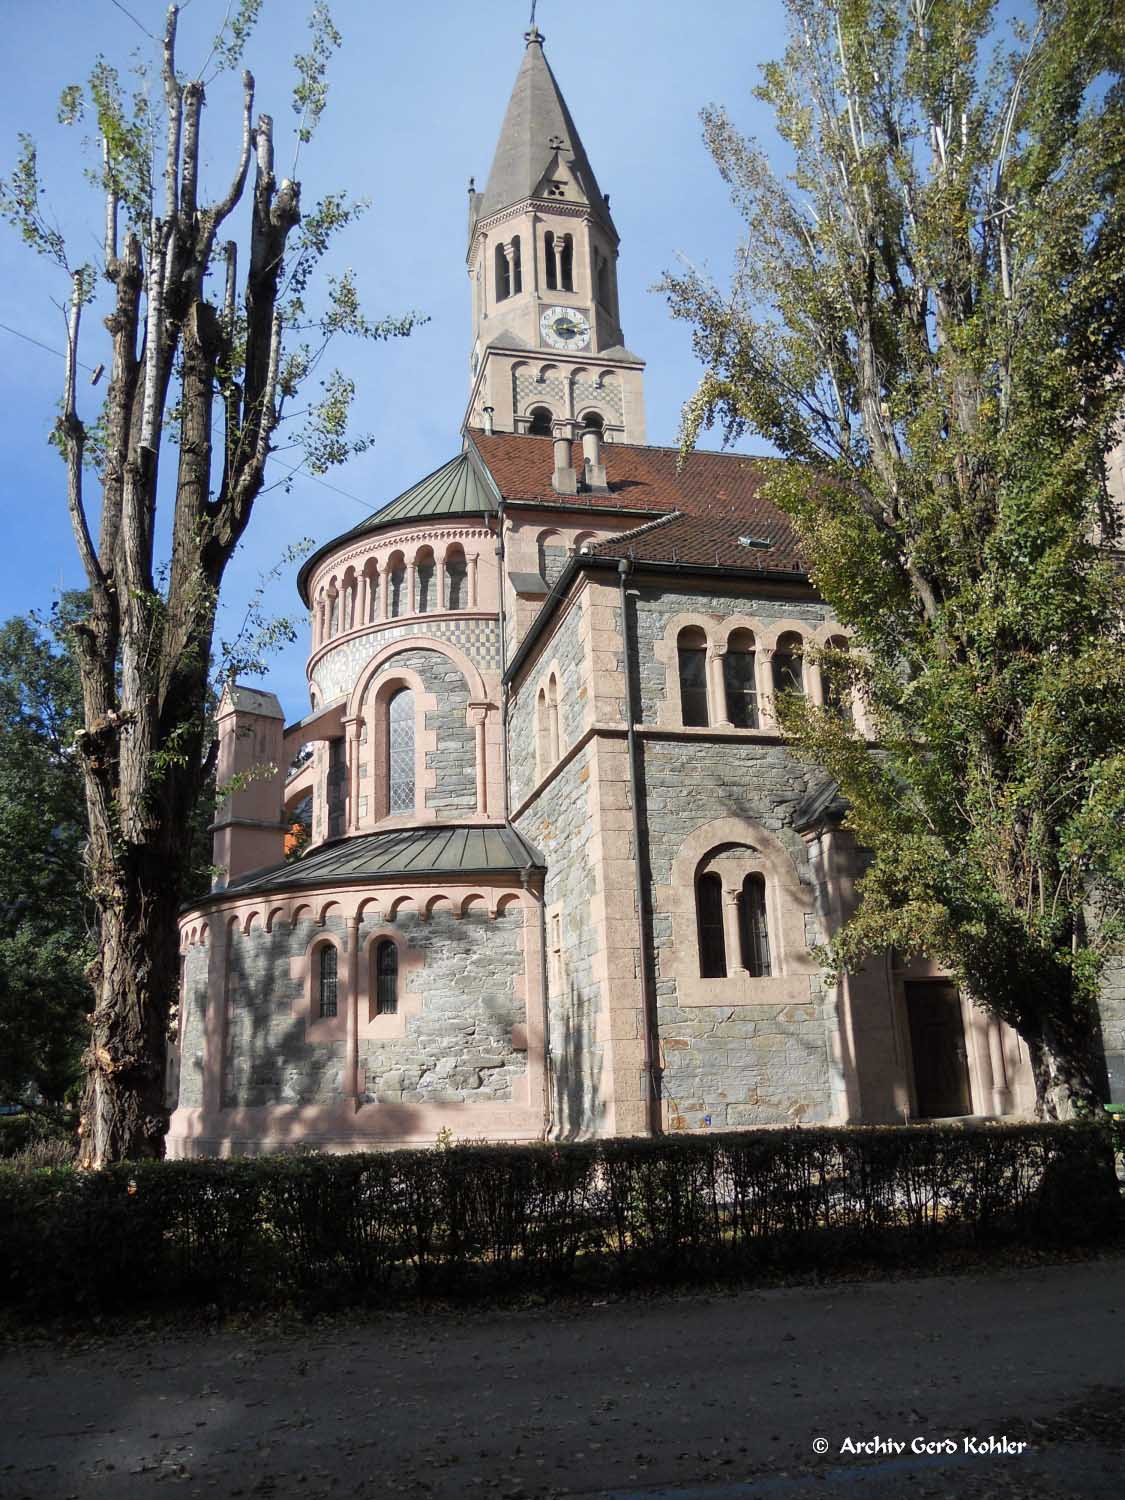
(533, 34)
(531, 21)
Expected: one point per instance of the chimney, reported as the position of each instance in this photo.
(488, 410)
(249, 830)
(592, 459)
(564, 479)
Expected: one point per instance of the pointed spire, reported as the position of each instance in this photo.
(538, 131)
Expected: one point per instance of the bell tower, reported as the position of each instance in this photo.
(548, 356)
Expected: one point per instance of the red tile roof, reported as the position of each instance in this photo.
(715, 515)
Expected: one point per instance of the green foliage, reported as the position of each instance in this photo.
(927, 317)
(310, 93)
(326, 1231)
(45, 940)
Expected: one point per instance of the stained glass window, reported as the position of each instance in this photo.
(386, 978)
(400, 751)
(329, 960)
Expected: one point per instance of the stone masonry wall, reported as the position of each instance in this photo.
(454, 760)
(567, 648)
(656, 607)
(757, 1064)
(558, 824)
(458, 1047)
(193, 1011)
(337, 670)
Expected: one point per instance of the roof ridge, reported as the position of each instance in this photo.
(635, 531)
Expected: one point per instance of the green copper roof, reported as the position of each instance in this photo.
(456, 489)
(458, 852)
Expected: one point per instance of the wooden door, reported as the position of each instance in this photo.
(937, 1041)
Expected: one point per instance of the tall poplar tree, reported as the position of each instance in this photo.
(203, 357)
(927, 317)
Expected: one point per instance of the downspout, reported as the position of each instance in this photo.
(651, 1035)
(503, 660)
(541, 902)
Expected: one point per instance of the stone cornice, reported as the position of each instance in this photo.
(390, 541)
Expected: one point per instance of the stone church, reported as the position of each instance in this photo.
(565, 877)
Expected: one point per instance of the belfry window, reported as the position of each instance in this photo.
(540, 422)
(386, 978)
(400, 752)
(503, 275)
(329, 965)
(566, 264)
(691, 650)
(709, 910)
(517, 268)
(601, 275)
(752, 927)
(550, 262)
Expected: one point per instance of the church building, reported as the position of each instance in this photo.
(565, 877)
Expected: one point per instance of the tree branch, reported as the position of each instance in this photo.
(173, 96)
(74, 437)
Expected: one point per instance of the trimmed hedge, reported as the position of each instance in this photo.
(325, 1231)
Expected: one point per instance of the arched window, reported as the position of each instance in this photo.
(542, 732)
(503, 275)
(328, 963)
(787, 674)
(752, 929)
(423, 582)
(517, 267)
(602, 278)
(456, 575)
(566, 263)
(712, 943)
(400, 752)
(738, 679)
(692, 653)
(550, 261)
(837, 689)
(386, 978)
(592, 422)
(540, 421)
(553, 716)
(396, 588)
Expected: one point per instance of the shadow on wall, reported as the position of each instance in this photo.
(576, 1072)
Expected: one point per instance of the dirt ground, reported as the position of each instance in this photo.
(702, 1397)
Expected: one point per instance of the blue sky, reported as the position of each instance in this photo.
(418, 94)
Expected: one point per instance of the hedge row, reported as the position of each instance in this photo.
(323, 1231)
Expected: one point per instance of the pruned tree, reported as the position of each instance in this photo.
(195, 364)
(927, 320)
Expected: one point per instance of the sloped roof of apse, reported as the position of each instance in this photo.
(456, 489)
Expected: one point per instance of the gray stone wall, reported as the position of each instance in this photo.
(558, 824)
(454, 759)
(459, 1048)
(1111, 1005)
(656, 607)
(565, 646)
(193, 1011)
(337, 670)
(734, 1065)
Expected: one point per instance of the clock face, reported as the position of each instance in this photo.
(564, 328)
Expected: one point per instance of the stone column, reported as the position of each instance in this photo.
(1001, 1091)
(351, 1046)
(813, 676)
(478, 713)
(364, 589)
(763, 671)
(439, 582)
(352, 749)
(412, 587)
(471, 564)
(384, 594)
(716, 685)
(731, 935)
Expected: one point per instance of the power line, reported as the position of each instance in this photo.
(289, 468)
(134, 20)
(40, 345)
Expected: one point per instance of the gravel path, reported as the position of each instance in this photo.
(690, 1398)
